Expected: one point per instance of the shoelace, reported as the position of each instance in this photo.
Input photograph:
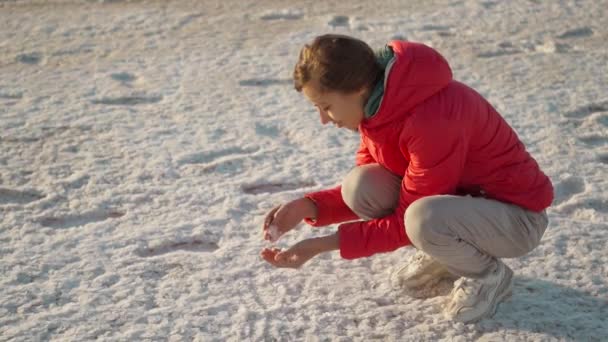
(466, 286)
(419, 257)
(417, 260)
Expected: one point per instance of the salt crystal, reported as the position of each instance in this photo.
(274, 233)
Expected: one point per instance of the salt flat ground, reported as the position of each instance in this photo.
(142, 142)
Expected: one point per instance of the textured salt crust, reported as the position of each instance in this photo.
(143, 142)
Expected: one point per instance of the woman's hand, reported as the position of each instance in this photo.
(301, 252)
(294, 257)
(286, 216)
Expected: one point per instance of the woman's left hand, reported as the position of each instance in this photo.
(293, 257)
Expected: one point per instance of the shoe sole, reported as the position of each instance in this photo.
(506, 290)
(423, 279)
(428, 279)
(427, 284)
(506, 293)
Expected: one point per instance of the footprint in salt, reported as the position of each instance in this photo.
(191, 246)
(30, 58)
(286, 14)
(229, 161)
(579, 32)
(489, 4)
(19, 197)
(503, 49)
(440, 30)
(594, 140)
(355, 23)
(268, 130)
(262, 188)
(70, 221)
(590, 119)
(211, 156)
(587, 110)
(11, 95)
(586, 206)
(551, 46)
(187, 20)
(264, 82)
(128, 100)
(124, 77)
(567, 188)
(339, 21)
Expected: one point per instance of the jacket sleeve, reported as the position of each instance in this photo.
(330, 208)
(436, 153)
(363, 157)
(330, 205)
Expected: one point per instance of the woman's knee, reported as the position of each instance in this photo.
(423, 220)
(371, 191)
(351, 187)
(537, 224)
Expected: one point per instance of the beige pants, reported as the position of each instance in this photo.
(466, 234)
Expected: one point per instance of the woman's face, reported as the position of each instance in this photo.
(344, 110)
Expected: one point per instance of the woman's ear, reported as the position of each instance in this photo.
(364, 93)
(364, 90)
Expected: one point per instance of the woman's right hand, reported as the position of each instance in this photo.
(287, 216)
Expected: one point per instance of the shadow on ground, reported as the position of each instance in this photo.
(549, 309)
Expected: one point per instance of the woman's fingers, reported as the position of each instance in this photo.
(272, 251)
(269, 254)
(267, 221)
(286, 257)
(270, 217)
(279, 258)
(274, 233)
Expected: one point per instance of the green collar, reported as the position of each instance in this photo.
(384, 57)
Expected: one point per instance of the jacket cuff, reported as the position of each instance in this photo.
(349, 235)
(323, 217)
(330, 208)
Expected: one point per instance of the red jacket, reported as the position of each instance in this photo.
(442, 137)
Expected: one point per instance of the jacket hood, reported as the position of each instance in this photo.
(417, 73)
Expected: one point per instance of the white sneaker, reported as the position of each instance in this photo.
(421, 271)
(474, 299)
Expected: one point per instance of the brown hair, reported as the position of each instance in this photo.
(336, 63)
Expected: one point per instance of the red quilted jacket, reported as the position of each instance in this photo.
(442, 137)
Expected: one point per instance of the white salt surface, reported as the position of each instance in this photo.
(143, 142)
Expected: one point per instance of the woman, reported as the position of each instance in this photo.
(437, 168)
